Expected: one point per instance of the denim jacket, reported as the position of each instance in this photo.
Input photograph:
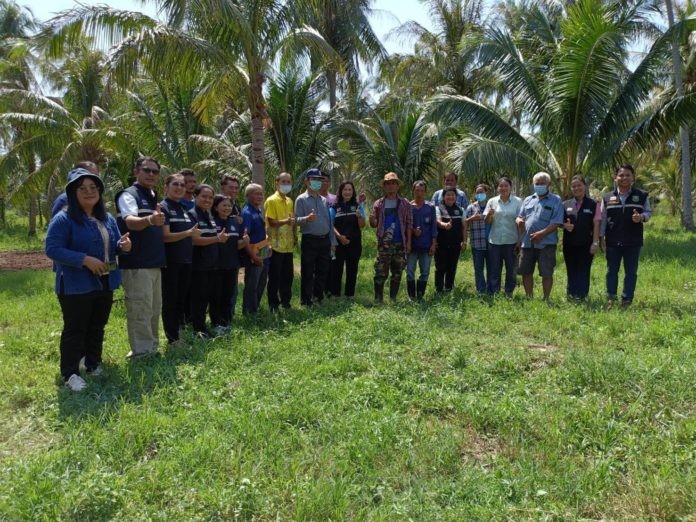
(69, 242)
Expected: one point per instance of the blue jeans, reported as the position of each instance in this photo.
(480, 258)
(423, 260)
(497, 255)
(630, 255)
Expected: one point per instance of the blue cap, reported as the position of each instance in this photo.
(315, 173)
(77, 174)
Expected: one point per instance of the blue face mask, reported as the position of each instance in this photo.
(480, 196)
(315, 185)
(541, 190)
(285, 188)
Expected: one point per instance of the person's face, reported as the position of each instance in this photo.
(577, 187)
(481, 190)
(308, 183)
(175, 188)
(324, 185)
(190, 184)
(450, 199)
(224, 208)
(255, 198)
(504, 189)
(204, 199)
(391, 188)
(284, 179)
(230, 189)
(450, 181)
(87, 194)
(419, 192)
(147, 174)
(347, 192)
(624, 179)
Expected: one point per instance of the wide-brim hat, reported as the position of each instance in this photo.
(75, 175)
(390, 176)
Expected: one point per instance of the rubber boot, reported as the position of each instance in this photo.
(394, 290)
(411, 287)
(379, 293)
(420, 290)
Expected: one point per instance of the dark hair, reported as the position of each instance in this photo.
(187, 172)
(227, 178)
(203, 186)
(75, 211)
(339, 194)
(142, 159)
(505, 179)
(483, 186)
(578, 177)
(219, 198)
(626, 166)
(448, 190)
(419, 183)
(452, 173)
(87, 165)
(169, 178)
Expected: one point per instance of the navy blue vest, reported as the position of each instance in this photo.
(148, 244)
(583, 219)
(205, 257)
(346, 221)
(179, 220)
(621, 230)
(229, 254)
(455, 235)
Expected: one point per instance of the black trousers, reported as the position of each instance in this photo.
(348, 255)
(202, 295)
(446, 261)
(314, 267)
(176, 283)
(578, 261)
(224, 286)
(84, 319)
(280, 277)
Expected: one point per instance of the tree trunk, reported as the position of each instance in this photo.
(33, 212)
(258, 113)
(3, 221)
(331, 80)
(687, 214)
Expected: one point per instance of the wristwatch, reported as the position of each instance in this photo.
(595, 244)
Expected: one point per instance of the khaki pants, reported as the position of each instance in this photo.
(143, 289)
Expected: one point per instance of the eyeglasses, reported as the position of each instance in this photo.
(148, 170)
(88, 188)
(177, 184)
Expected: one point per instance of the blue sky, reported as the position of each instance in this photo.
(390, 13)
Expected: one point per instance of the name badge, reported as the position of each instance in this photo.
(587, 211)
(635, 199)
(427, 220)
(569, 209)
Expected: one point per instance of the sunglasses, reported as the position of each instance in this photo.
(148, 170)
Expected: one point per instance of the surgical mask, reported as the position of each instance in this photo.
(285, 188)
(315, 185)
(480, 196)
(541, 190)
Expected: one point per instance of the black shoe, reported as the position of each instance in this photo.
(379, 293)
(420, 289)
(411, 289)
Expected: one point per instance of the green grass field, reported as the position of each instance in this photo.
(459, 408)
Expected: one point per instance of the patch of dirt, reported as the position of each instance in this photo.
(23, 260)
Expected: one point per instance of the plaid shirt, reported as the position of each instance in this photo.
(478, 230)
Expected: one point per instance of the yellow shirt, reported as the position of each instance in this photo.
(280, 207)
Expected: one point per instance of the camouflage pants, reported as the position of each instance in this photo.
(392, 257)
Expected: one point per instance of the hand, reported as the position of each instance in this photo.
(417, 231)
(157, 217)
(290, 221)
(362, 197)
(477, 216)
(344, 240)
(448, 225)
(519, 220)
(94, 265)
(124, 243)
(517, 247)
(536, 237)
(257, 261)
(244, 241)
(194, 232)
(432, 250)
(593, 249)
(491, 211)
(311, 216)
(568, 225)
(240, 219)
(222, 237)
(636, 218)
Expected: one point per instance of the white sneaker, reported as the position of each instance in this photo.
(96, 372)
(76, 383)
(220, 330)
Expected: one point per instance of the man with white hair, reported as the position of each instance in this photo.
(541, 214)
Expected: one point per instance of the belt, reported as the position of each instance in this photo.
(313, 236)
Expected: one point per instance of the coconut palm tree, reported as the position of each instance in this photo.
(230, 45)
(584, 109)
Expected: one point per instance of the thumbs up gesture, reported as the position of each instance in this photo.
(312, 216)
(636, 216)
(124, 242)
(195, 232)
(157, 217)
(223, 237)
(568, 225)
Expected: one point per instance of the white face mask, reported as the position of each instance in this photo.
(285, 188)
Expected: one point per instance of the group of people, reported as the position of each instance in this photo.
(180, 257)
